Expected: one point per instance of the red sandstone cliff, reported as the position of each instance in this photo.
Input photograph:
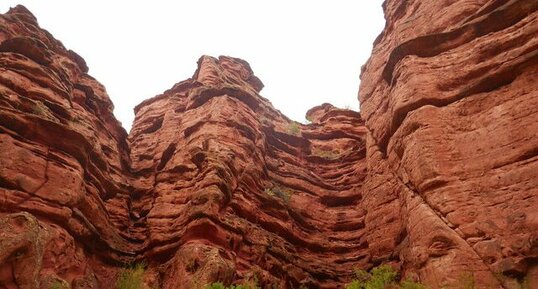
(230, 189)
(450, 101)
(64, 159)
(214, 184)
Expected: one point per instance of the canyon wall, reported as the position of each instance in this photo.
(212, 184)
(232, 190)
(450, 101)
(437, 176)
(64, 163)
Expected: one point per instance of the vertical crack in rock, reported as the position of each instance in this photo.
(449, 100)
(450, 226)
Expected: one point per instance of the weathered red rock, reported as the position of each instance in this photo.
(229, 185)
(450, 100)
(440, 180)
(64, 157)
(212, 183)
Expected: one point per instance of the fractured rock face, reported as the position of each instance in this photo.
(21, 250)
(64, 157)
(227, 179)
(214, 184)
(450, 100)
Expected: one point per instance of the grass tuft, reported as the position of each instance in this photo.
(294, 129)
(131, 278)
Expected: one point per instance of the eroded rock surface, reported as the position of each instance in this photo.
(214, 184)
(228, 184)
(450, 100)
(64, 157)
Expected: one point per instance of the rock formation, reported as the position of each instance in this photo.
(64, 159)
(450, 100)
(437, 176)
(230, 189)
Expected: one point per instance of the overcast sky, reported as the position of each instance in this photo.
(305, 52)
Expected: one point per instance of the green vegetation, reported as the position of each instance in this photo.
(326, 154)
(407, 284)
(382, 277)
(131, 278)
(294, 129)
(40, 109)
(280, 192)
(219, 285)
(57, 285)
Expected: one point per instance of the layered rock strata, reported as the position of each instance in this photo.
(63, 158)
(231, 189)
(214, 184)
(450, 101)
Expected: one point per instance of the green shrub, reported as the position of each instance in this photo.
(326, 154)
(219, 285)
(382, 277)
(58, 285)
(280, 192)
(216, 285)
(39, 108)
(406, 284)
(131, 278)
(293, 128)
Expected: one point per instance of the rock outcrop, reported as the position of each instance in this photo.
(212, 184)
(63, 156)
(440, 179)
(450, 101)
(229, 185)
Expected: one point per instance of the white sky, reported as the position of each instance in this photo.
(305, 52)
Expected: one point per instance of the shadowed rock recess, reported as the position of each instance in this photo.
(437, 176)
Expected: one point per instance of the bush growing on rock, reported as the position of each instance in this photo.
(280, 192)
(326, 154)
(59, 285)
(294, 129)
(131, 278)
(382, 277)
(219, 285)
